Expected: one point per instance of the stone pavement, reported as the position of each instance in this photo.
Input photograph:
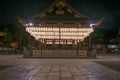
(55, 69)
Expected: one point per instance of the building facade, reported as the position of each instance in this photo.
(59, 27)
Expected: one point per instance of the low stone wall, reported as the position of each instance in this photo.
(82, 53)
(59, 53)
(5, 50)
(36, 53)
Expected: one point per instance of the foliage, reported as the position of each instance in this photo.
(98, 37)
(7, 39)
(12, 34)
(117, 39)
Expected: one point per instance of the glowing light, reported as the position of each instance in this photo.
(54, 33)
(31, 24)
(91, 25)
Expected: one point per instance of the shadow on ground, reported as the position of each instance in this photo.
(2, 67)
(115, 65)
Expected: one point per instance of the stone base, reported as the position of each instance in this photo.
(60, 53)
(27, 52)
(92, 53)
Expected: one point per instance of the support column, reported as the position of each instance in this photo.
(90, 41)
(66, 44)
(40, 46)
(44, 44)
(53, 44)
(73, 44)
(77, 48)
(62, 43)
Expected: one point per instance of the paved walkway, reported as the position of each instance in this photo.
(56, 69)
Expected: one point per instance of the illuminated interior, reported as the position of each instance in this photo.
(59, 33)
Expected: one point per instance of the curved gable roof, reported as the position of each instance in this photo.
(57, 4)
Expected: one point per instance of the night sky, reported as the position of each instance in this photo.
(107, 9)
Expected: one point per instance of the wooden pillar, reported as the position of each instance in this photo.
(53, 44)
(73, 44)
(80, 44)
(64, 44)
(39, 45)
(44, 43)
(77, 48)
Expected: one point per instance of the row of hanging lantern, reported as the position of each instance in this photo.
(61, 33)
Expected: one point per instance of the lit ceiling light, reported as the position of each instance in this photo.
(31, 24)
(91, 25)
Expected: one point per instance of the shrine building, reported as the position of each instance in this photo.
(59, 27)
